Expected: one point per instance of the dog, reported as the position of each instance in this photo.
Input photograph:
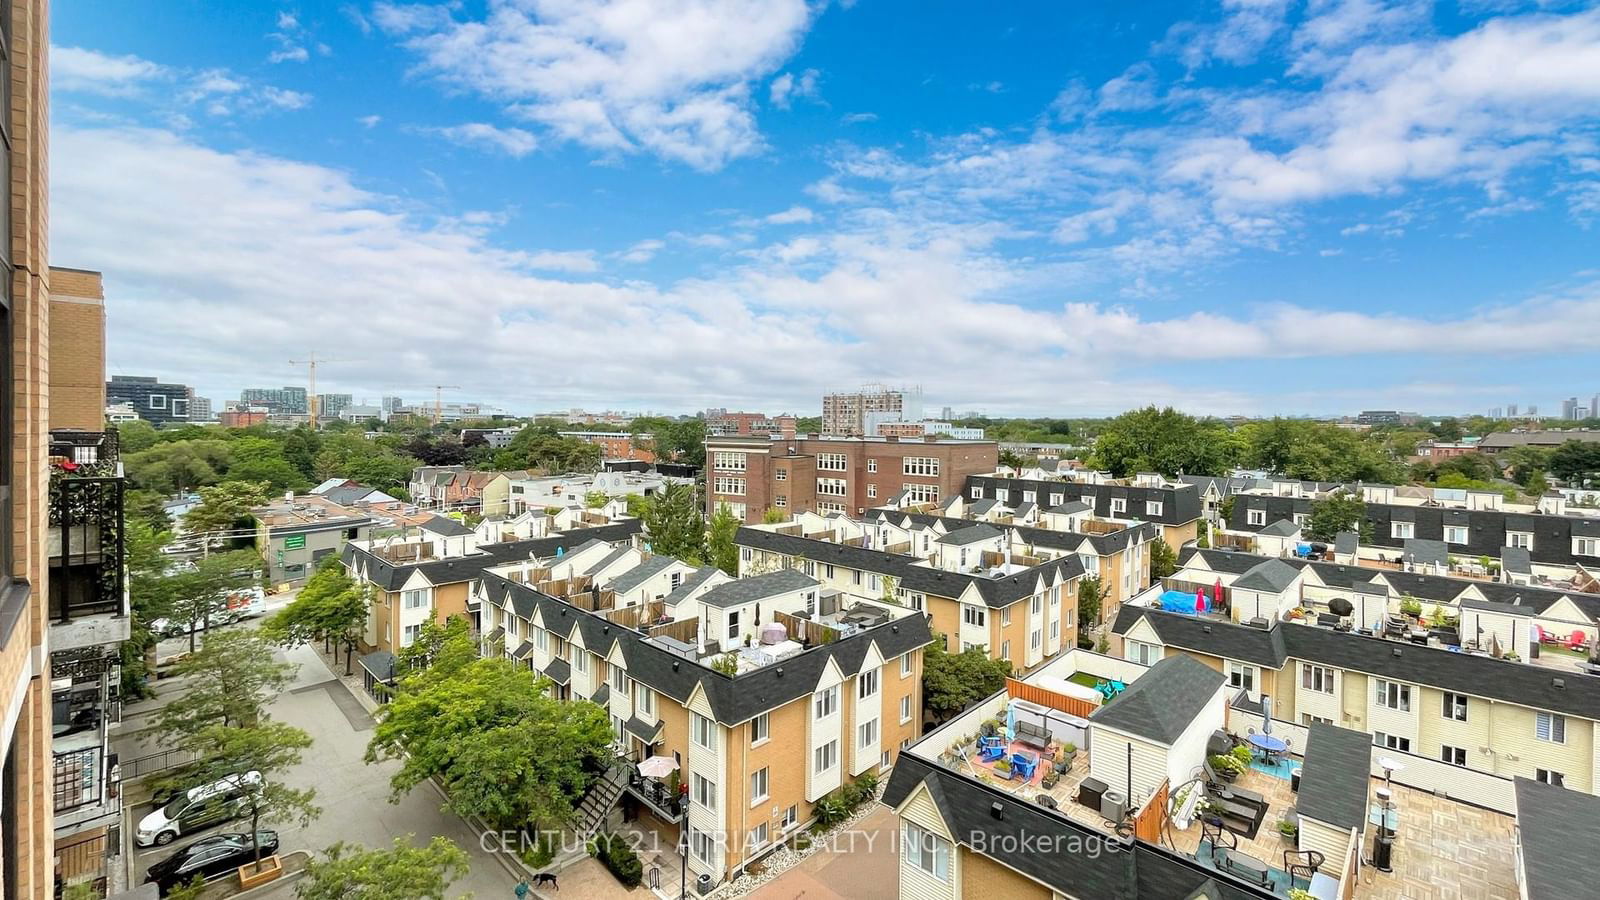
(544, 878)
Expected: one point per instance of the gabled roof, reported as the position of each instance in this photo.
(1025, 507)
(641, 573)
(1162, 703)
(1070, 507)
(1426, 553)
(972, 534)
(1558, 828)
(1281, 528)
(615, 554)
(1334, 778)
(757, 587)
(1346, 542)
(1103, 867)
(445, 526)
(980, 507)
(1261, 646)
(733, 699)
(690, 583)
(559, 671)
(1273, 576)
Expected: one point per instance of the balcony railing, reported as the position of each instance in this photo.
(86, 525)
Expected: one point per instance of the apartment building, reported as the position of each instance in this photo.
(975, 591)
(1470, 704)
(429, 573)
(761, 731)
(744, 424)
(817, 473)
(26, 667)
(845, 413)
(77, 349)
(617, 444)
(160, 403)
(1175, 507)
(291, 400)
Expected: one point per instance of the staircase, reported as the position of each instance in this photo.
(601, 797)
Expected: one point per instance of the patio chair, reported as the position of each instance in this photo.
(1576, 642)
(1302, 862)
(991, 749)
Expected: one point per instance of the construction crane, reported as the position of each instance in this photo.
(311, 384)
(438, 399)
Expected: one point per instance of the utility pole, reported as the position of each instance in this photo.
(438, 399)
(311, 384)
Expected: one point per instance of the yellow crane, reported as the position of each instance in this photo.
(311, 364)
(438, 399)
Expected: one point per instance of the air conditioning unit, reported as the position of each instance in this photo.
(1113, 806)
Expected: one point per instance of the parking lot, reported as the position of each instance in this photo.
(354, 796)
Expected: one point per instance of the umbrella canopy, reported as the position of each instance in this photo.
(1266, 714)
(1216, 594)
(1199, 600)
(658, 767)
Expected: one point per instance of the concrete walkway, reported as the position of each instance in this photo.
(863, 865)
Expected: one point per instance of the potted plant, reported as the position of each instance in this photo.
(1289, 830)
(1241, 754)
(1069, 751)
(1049, 780)
(1226, 766)
(1411, 607)
(1002, 767)
(252, 874)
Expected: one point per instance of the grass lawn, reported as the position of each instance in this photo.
(1085, 679)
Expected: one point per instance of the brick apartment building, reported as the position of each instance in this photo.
(795, 473)
(77, 349)
(744, 424)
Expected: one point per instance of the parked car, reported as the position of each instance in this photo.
(208, 858)
(196, 809)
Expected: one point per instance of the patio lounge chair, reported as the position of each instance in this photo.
(1576, 642)
(991, 749)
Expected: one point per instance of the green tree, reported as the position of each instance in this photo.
(231, 679)
(178, 466)
(262, 460)
(150, 597)
(403, 872)
(197, 596)
(674, 524)
(136, 436)
(596, 499)
(1013, 459)
(266, 747)
(225, 508)
(1339, 511)
(1163, 561)
(1576, 462)
(774, 515)
(722, 549)
(489, 730)
(951, 682)
(1089, 602)
(1523, 463)
(147, 507)
(808, 425)
(1161, 440)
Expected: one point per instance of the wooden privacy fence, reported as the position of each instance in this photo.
(806, 631)
(1021, 690)
(1152, 820)
(686, 630)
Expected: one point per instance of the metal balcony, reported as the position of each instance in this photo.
(86, 545)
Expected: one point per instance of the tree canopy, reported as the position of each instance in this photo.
(1339, 511)
(403, 872)
(1162, 440)
(951, 682)
(674, 524)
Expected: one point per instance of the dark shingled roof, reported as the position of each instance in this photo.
(523, 650)
(1163, 702)
(733, 699)
(1335, 775)
(1509, 682)
(1346, 542)
(1559, 828)
(644, 731)
(914, 576)
(390, 577)
(1516, 560)
(1273, 576)
(603, 695)
(1097, 866)
(1281, 528)
(641, 573)
(687, 586)
(757, 587)
(971, 535)
(445, 526)
(1426, 553)
(559, 671)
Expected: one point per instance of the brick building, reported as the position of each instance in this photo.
(794, 473)
(77, 349)
(243, 418)
(617, 444)
(846, 413)
(721, 421)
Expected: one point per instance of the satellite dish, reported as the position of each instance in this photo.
(1340, 606)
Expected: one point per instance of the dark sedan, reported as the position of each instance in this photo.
(209, 858)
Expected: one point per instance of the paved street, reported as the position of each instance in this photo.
(353, 795)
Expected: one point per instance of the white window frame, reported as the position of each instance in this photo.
(872, 492)
(905, 665)
(1453, 706)
(1585, 546)
(415, 599)
(702, 732)
(729, 461)
(1318, 679)
(926, 851)
(703, 791)
(1153, 507)
(1522, 539)
(1460, 532)
(872, 467)
(1255, 517)
(832, 487)
(976, 616)
(1550, 727)
(1550, 776)
(1455, 756)
(825, 758)
(867, 684)
(780, 474)
(1395, 695)
(833, 462)
(1242, 677)
(920, 466)
(1391, 741)
(760, 783)
(1145, 654)
(867, 733)
(760, 729)
(1119, 505)
(905, 709)
(729, 484)
(825, 703)
(921, 493)
(1403, 530)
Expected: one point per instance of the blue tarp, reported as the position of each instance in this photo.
(1178, 601)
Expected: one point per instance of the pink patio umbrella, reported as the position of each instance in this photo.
(1216, 594)
(1199, 600)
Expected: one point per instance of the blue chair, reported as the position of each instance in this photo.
(991, 749)
(1024, 765)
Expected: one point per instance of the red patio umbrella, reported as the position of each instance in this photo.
(1199, 600)
(1216, 594)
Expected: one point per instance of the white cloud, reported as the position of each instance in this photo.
(90, 71)
(643, 251)
(787, 88)
(1247, 27)
(564, 261)
(370, 121)
(137, 201)
(857, 118)
(285, 99)
(618, 76)
(794, 215)
(510, 141)
(291, 39)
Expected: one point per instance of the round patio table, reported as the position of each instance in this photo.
(1266, 743)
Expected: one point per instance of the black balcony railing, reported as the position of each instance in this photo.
(86, 523)
(659, 796)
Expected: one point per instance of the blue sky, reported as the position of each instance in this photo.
(1249, 207)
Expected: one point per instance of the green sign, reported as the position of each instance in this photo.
(294, 542)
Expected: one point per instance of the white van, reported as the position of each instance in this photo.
(196, 809)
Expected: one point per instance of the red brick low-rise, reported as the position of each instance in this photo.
(795, 473)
